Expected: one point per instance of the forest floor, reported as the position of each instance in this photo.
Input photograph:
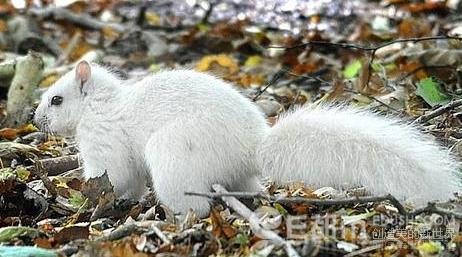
(398, 57)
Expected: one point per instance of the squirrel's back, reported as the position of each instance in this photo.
(344, 147)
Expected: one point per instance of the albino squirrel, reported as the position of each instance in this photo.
(188, 130)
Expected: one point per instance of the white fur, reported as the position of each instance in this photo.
(188, 130)
(344, 147)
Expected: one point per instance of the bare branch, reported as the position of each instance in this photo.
(254, 222)
(371, 49)
(439, 111)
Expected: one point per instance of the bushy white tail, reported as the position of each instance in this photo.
(344, 147)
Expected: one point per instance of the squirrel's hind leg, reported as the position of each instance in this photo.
(178, 166)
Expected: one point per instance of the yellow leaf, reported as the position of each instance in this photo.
(224, 61)
(49, 80)
(22, 174)
(152, 18)
(253, 61)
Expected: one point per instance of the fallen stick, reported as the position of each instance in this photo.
(82, 20)
(430, 208)
(120, 232)
(439, 111)
(254, 222)
(316, 202)
(41, 173)
(28, 73)
(58, 165)
(7, 69)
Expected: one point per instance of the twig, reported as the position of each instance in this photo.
(69, 48)
(41, 173)
(58, 165)
(240, 195)
(421, 68)
(371, 49)
(316, 202)
(432, 208)
(439, 111)
(346, 90)
(273, 80)
(160, 234)
(207, 14)
(373, 99)
(82, 20)
(349, 201)
(364, 250)
(254, 222)
(120, 232)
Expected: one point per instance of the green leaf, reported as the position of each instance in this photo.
(76, 199)
(203, 27)
(432, 92)
(241, 239)
(21, 251)
(6, 173)
(280, 209)
(352, 69)
(23, 174)
(431, 248)
(9, 233)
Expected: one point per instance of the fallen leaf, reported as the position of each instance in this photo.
(432, 92)
(68, 234)
(220, 227)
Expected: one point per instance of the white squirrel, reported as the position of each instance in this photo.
(188, 130)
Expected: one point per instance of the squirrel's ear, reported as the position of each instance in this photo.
(82, 73)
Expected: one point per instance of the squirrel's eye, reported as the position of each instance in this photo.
(56, 100)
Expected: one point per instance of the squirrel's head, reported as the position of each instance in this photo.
(61, 106)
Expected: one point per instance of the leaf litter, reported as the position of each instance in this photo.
(318, 49)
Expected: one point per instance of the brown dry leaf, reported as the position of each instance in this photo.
(221, 63)
(8, 133)
(409, 67)
(411, 28)
(228, 31)
(303, 68)
(109, 33)
(68, 234)
(12, 133)
(81, 48)
(43, 243)
(126, 248)
(6, 7)
(338, 88)
(247, 80)
(78, 6)
(300, 208)
(97, 188)
(376, 85)
(220, 226)
(427, 6)
(7, 184)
